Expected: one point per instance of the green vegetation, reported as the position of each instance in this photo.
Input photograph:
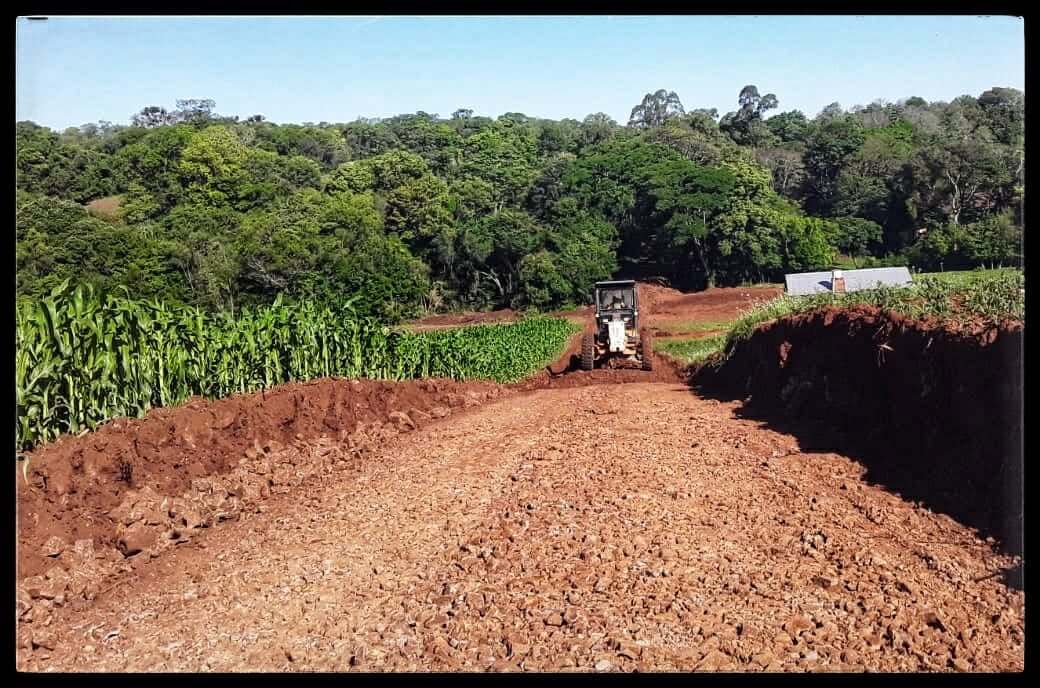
(250, 253)
(986, 295)
(691, 350)
(964, 278)
(503, 352)
(421, 213)
(699, 327)
(990, 296)
(82, 358)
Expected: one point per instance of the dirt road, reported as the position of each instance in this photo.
(599, 528)
(663, 307)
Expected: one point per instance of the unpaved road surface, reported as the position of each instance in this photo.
(598, 528)
(663, 307)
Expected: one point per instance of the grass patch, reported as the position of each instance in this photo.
(964, 278)
(691, 350)
(979, 295)
(106, 208)
(699, 326)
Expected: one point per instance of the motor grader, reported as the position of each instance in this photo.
(618, 341)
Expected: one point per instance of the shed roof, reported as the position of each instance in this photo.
(802, 283)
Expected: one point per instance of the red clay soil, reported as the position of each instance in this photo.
(671, 307)
(665, 304)
(76, 481)
(601, 528)
(566, 372)
(77, 485)
(887, 388)
(566, 522)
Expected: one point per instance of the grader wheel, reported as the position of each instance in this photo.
(588, 352)
(647, 341)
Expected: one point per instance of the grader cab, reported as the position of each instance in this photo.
(617, 340)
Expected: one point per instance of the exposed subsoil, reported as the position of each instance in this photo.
(934, 411)
(665, 305)
(597, 528)
(670, 307)
(75, 482)
(556, 524)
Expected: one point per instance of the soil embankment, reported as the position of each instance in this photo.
(933, 411)
(75, 482)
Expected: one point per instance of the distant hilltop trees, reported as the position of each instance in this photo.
(419, 212)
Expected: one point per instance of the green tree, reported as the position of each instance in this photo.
(656, 109)
(596, 128)
(213, 166)
(152, 166)
(695, 137)
(692, 199)
(745, 126)
(791, 126)
(195, 111)
(470, 198)
(951, 178)
(491, 251)
(1004, 111)
(547, 189)
(831, 144)
(503, 157)
(326, 147)
(856, 236)
(153, 116)
(327, 246)
(997, 241)
(199, 242)
(366, 139)
(583, 246)
(542, 283)
(419, 212)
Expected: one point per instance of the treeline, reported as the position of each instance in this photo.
(419, 212)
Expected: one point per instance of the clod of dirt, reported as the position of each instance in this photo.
(53, 547)
(136, 538)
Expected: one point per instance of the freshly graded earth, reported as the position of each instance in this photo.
(666, 308)
(596, 528)
(611, 520)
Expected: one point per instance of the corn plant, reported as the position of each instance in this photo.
(82, 358)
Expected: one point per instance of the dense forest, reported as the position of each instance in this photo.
(422, 213)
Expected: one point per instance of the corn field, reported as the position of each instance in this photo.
(82, 358)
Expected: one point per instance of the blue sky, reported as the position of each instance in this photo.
(73, 70)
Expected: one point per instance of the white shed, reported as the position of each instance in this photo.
(802, 283)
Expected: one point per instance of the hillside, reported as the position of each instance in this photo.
(420, 214)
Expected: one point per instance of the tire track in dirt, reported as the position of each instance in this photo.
(623, 527)
(351, 540)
